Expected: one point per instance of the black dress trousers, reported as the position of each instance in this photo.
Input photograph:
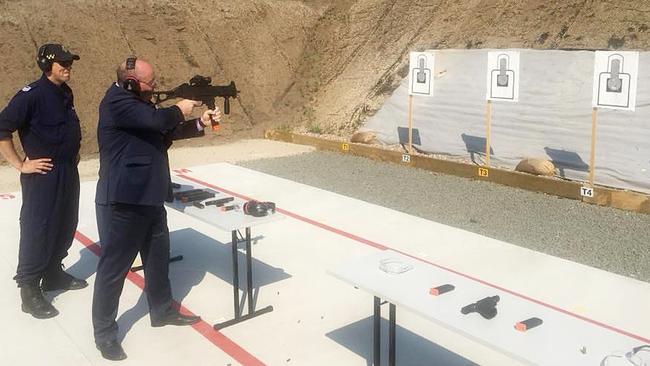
(126, 230)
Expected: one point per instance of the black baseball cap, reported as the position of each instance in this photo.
(54, 52)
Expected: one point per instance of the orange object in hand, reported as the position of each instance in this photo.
(216, 126)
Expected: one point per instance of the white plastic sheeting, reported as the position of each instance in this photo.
(551, 120)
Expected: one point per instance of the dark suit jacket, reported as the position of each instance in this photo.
(133, 138)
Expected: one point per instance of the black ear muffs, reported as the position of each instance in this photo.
(43, 62)
(258, 209)
(131, 83)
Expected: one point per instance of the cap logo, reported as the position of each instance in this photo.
(50, 56)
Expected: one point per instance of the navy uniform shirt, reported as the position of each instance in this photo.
(47, 124)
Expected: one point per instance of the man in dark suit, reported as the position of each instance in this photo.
(134, 182)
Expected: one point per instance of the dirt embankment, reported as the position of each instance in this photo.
(258, 44)
(362, 46)
(323, 66)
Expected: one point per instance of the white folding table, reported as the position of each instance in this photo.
(562, 339)
(232, 221)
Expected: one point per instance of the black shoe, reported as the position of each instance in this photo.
(111, 350)
(34, 303)
(175, 318)
(58, 279)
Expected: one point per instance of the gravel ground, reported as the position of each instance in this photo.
(602, 237)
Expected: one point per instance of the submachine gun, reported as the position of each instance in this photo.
(200, 88)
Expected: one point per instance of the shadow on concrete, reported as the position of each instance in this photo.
(205, 255)
(411, 349)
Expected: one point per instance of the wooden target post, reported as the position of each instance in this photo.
(592, 157)
(614, 87)
(421, 66)
(502, 82)
(410, 123)
(488, 132)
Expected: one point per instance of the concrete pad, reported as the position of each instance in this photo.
(317, 319)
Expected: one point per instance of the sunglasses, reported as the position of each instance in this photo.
(151, 84)
(65, 64)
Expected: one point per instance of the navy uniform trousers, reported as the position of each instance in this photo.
(125, 230)
(48, 220)
(47, 124)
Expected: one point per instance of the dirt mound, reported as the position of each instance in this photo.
(258, 44)
(324, 66)
(364, 45)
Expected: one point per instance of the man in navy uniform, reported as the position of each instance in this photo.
(134, 182)
(48, 127)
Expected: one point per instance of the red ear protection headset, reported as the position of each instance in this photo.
(131, 83)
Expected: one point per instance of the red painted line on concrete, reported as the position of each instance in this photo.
(206, 330)
(384, 247)
(333, 229)
(594, 322)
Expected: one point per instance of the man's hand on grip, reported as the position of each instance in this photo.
(187, 106)
(211, 116)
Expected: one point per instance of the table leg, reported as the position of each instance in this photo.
(176, 258)
(391, 335)
(235, 273)
(171, 260)
(249, 271)
(376, 339)
(249, 291)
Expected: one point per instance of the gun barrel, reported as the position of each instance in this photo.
(468, 309)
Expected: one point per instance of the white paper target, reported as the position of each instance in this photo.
(421, 68)
(503, 76)
(615, 79)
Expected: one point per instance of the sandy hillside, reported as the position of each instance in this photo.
(321, 65)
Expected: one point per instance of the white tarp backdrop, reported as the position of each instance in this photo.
(551, 120)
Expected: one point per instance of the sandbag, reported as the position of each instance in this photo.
(536, 166)
(364, 137)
